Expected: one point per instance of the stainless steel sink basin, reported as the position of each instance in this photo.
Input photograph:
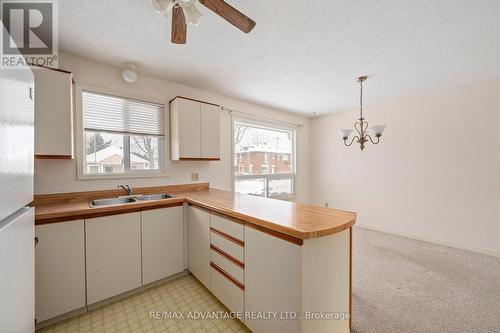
(128, 200)
(154, 197)
(111, 201)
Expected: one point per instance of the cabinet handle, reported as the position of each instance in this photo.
(36, 241)
(31, 93)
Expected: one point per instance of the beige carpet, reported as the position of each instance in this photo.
(402, 285)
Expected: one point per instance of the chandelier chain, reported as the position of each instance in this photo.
(361, 98)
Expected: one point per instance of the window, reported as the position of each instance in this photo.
(121, 135)
(256, 145)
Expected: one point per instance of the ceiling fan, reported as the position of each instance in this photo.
(185, 12)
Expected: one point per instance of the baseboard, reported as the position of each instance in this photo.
(102, 303)
(135, 291)
(59, 318)
(429, 239)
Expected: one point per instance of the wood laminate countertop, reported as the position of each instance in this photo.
(293, 219)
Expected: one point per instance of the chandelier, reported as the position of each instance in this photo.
(361, 126)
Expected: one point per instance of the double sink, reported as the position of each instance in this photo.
(128, 200)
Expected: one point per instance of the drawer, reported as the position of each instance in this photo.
(227, 291)
(228, 266)
(228, 226)
(231, 247)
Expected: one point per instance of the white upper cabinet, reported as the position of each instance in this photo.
(53, 113)
(210, 129)
(194, 130)
(185, 129)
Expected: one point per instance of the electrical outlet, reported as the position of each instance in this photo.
(194, 176)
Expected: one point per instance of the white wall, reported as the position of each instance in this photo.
(435, 175)
(52, 176)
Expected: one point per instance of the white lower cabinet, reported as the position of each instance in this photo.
(227, 262)
(228, 246)
(198, 238)
(272, 281)
(234, 270)
(162, 243)
(59, 269)
(113, 252)
(248, 270)
(231, 295)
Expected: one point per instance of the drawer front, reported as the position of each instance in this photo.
(231, 295)
(227, 265)
(228, 246)
(228, 226)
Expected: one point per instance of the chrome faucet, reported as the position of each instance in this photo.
(127, 189)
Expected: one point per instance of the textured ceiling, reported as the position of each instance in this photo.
(303, 56)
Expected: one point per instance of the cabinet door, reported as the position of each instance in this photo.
(162, 243)
(113, 248)
(272, 280)
(59, 269)
(199, 244)
(53, 113)
(210, 131)
(189, 127)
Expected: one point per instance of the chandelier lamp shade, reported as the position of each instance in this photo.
(363, 132)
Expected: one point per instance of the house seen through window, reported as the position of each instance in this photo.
(121, 135)
(263, 156)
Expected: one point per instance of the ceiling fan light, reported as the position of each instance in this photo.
(345, 133)
(377, 130)
(193, 15)
(163, 6)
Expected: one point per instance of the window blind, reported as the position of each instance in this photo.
(117, 114)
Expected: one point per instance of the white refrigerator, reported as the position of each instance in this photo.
(17, 252)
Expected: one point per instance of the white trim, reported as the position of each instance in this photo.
(79, 133)
(428, 239)
(232, 153)
(262, 122)
(257, 118)
(118, 93)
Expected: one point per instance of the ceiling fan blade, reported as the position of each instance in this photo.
(179, 27)
(230, 14)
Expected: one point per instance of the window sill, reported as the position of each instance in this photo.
(285, 197)
(123, 176)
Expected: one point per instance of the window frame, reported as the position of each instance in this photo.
(80, 136)
(270, 125)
